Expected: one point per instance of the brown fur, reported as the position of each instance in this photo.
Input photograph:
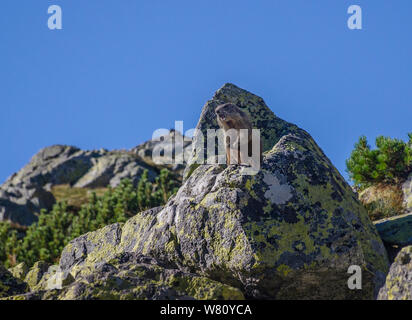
(230, 116)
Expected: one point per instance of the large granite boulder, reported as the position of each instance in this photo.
(27, 192)
(396, 230)
(136, 277)
(398, 285)
(290, 232)
(271, 127)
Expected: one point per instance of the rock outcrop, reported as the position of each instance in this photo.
(20, 271)
(134, 277)
(289, 232)
(36, 275)
(383, 201)
(165, 147)
(387, 200)
(398, 284)
(396, 230)
(27, 192)
(391, 207)
(271, 127)
(9, 285)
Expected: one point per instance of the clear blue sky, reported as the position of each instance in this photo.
(121, 69)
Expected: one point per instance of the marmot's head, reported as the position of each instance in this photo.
(228, 111)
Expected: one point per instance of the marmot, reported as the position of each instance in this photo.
(230, 116)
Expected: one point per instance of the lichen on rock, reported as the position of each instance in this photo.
(34, 276)
(135, 277)
(396, 230)
(271, 127)
(10, 285)
(28, 191)
(19, 271)
(291, 231)
(398, 285)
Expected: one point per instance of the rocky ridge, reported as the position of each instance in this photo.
(289, 232)
(25, 193)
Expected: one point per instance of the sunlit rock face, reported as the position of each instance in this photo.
(271, 127)
(161, 152)
(398, 285)
(289, 232)
(28, 191)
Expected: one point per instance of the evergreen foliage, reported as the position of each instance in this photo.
(46, 239)
(389, 163)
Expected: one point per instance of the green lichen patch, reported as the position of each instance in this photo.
(292, 230)
(137, 277)
(19, 271)
(398, 285)
(36, 273)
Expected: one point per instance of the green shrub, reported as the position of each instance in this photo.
(6, 232)
(390, 162)
(46, 239)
